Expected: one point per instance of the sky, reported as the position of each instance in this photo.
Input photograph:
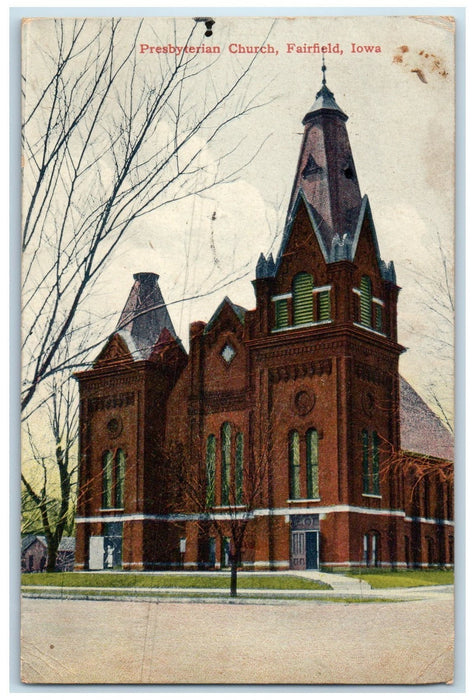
(399, 97)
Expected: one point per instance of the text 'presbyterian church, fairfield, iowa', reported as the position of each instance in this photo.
(286, 438)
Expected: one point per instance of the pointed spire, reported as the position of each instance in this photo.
(324, 99)
(145, 314)
(326, 173)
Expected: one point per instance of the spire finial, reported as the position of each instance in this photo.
(324, 80)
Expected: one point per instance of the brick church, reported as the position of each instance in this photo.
(286, 432)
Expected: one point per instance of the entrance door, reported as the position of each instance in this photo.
(311, 550)
(305, 542)
(298, 556)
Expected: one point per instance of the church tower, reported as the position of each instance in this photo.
(123, 401)
(324, 363)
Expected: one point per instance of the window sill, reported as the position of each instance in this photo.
(112, 510)
(229, 506)
(302, 325)
(368, 328)
(372, 495)
(304, 500)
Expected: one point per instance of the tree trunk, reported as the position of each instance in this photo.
(234, 564)
(53, 545)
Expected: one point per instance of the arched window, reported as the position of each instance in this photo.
(225, 462)
(366, 301)
(312, 463)
(107, 479)
(119, 478)
(365, 449)
(375, 470)
(370, 462)
(294, 464)
(302, 298)
(239, 467)
(426, 504)
(210, 471)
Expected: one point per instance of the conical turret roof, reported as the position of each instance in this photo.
(145, 314)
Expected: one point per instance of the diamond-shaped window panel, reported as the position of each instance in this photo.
(228, 353)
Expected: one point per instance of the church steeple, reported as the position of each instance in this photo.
(326, 172)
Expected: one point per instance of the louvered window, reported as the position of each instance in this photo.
(107, 480)
(312, 463)
(294, 464)
(210, 470)
(378, 318)
(366, 301)
(324, 311)
(303, 298)
(281, 313)
(120, 478)
(239, 467)
(225, 462)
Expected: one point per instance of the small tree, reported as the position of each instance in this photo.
(194, 491)
(48, 494)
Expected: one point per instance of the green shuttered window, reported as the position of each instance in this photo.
(365, 446)
(375, 470)
(378, 318)
(312, 463)
(225, 462)
(210, 470)
(324, 312)
(239, 467)
(366, 301)
(107, 480)
(281, 313)
(120, 477)
(303, 298)
(370, 462)
(294, 464)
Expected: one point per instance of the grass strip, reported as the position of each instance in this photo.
(92, 594)
(111, 580)
(405, 579)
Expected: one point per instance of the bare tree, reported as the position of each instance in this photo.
(433, 283)
(107, 141)
(228, 513)
(48, 493)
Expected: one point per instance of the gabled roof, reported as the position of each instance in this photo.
(239, 311)
(28, 540)
(422, 431)
(67, 544)
(343, 247)
(315, 220)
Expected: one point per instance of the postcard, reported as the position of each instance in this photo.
(238, 350)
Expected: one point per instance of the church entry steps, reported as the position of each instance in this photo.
(338, 582)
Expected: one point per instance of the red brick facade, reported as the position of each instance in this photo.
(280, 424)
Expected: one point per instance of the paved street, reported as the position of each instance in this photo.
(75, 641)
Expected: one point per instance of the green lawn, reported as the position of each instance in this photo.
(405, 579)
(170, 581)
